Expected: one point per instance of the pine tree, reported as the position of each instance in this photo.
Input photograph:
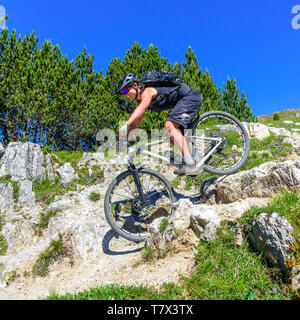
(47, 99)
(235, 104)
(202, 82)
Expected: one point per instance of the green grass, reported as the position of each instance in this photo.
(46, 190)
(2, 220)
(83, 173)
(288, 114)
(3, 242)
(287, 204)
(272, 144)
(87, 179)
(94, 196)
(3, 245)
(69, 156)
(271, 148)
(277, 119)
(51, 254)
(120, 292)
(226, 271)
(163, 225)
(149, 253)
(192, 181)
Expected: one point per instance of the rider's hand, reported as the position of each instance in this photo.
(123, 132)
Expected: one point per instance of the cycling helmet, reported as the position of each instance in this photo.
(127, 81)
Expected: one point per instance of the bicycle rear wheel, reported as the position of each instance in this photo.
(124, 209)
(223, 129)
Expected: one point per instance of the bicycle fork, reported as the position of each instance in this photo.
(134, 171)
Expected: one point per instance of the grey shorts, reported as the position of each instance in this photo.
(185, 110)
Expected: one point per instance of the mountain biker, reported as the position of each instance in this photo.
(184, 102)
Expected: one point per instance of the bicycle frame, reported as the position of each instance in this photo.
(133, 150)
(140, 149)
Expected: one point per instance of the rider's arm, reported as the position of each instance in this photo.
(139, 111)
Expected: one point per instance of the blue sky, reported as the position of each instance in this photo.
(251, 41)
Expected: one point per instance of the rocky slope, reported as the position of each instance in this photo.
(94, 254)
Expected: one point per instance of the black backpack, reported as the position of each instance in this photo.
(161, 79)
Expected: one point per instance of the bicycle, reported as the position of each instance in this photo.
(225, 146)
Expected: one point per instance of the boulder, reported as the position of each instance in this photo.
(23, 161)
(87, 231)
(273, 235)
(63, 204)
(88, 238)
(6, 196)
(257, 130)
(179, 220)
(156, 238)
(263, 181)
(19, 234)
(91, 158)
(26, 195)
(51, 165)
(111, 167)
(178, 223)
(204, 221)
(115, 166)
(66, 173)
(280, 131)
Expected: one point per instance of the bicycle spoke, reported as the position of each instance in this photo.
(130, 214)
(224, 129)
(129, 186)
(116, 194)
(126, 190)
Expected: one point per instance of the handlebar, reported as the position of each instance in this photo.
(127, 143)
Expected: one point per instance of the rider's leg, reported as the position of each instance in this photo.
(179, 140)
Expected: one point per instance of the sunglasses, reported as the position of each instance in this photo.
(125, 91)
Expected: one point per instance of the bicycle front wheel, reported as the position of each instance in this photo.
(126, 213)
(228, 137)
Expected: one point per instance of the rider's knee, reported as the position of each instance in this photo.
(170, 125)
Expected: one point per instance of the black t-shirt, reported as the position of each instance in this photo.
(170, 100)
